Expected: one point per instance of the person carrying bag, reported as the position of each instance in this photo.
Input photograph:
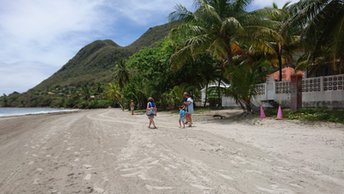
(151, 112)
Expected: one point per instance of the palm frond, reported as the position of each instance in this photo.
(219, 49)
(240, 5)
(181, 57)
(181, 13)
(231, 26)
(207, 13)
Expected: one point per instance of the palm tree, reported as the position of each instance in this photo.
(213, 28)
(121, 73)
(113, 92)
(286, 40)
(226, 31)
(242, 84)
(323, 34)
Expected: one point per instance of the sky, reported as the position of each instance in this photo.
(37, 37)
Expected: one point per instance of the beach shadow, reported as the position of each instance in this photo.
(227, 117)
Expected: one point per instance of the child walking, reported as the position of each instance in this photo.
(181, 116)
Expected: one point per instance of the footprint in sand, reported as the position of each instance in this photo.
(39, 170)
(151, 188)
(112, 154)
(200, 187)
(154, 162)
(36, 181)
(142, 176)
(225, 176)
(87, 166)
(172, 166)
(69, 148)
(128, 169)
(98, 190)
(131, 174)
(88, 177)
(265, 189)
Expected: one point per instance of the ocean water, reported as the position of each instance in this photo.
(4, 112)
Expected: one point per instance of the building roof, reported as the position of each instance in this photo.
(286, 74)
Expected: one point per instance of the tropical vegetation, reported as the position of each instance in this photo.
(220, 41)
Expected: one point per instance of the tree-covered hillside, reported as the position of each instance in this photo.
(84, 74)
(94, 62)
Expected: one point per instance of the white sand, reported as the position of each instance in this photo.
(110, 151)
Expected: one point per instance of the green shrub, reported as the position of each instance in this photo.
(311, 114)
(99, 104)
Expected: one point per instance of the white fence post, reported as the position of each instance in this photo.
(270, 89)
(321, 84)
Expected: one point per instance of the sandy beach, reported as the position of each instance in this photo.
(110, 151)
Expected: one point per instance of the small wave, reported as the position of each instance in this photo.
(8, 112)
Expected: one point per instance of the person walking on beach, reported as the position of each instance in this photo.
(185, 107)
(151, 112)
(182, 116)
(190, 108)
(132, 106)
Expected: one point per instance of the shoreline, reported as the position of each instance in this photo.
(39, 114)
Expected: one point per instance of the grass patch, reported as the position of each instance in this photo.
(311, 114)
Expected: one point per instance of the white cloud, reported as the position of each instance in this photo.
(22, 75)
(144, 11)
(39, 36)
(32, 29)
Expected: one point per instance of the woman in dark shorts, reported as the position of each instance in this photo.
(151, 112)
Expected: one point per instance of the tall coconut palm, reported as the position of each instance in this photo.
(212, 28)
(323, 34)
(121, 73)
(219, 28)
(288, 39)
(113, 92)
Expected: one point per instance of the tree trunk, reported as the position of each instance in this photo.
(219, 93)
(241, 105)
(341, 65)
(206, 95)
(280, 62)
(248, 106)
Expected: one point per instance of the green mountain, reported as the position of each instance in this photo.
(94, 63)
(86, 73)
